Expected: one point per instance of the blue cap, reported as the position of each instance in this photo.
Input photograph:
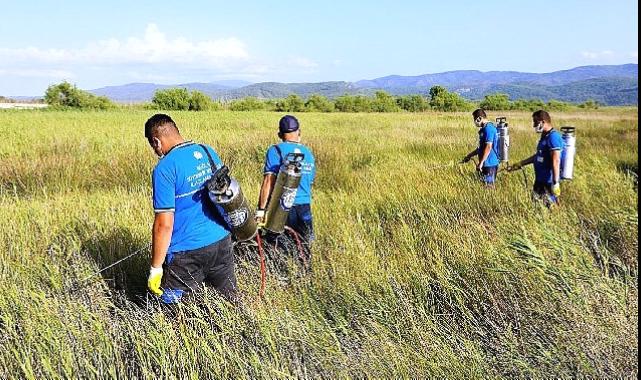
(287, 124)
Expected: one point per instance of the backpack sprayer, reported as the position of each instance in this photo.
(284, 193)
(225, 192)
(504, 139)
(568, 152)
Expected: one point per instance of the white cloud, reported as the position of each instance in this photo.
(302, 62)
(634, 55)
(153, 47)
(595, 55)
(38, 73)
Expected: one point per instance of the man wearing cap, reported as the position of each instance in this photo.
(300, 215)
(546, 160)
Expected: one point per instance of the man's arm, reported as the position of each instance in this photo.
(520, 164)
(265, 190)
(556, 166)
(471, 154)
(486, 153)
(161, 237)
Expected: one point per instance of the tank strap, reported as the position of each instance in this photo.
(211, 160)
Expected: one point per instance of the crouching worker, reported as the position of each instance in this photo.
(299, 217)
(547, 160)
(191, 245)
(487, 151)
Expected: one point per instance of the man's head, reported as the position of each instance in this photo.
(541, 121)
(161, 133)
(289, 128)
(480, 117)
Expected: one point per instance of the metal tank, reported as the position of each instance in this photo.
(225, 192)
(568, 152)
(504, 139)
(284, 193)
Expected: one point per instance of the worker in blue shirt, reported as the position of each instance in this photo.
(546, 160)
(191, 243)
(300, 215)
(487, 150)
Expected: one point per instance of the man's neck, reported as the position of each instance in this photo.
(173, 142)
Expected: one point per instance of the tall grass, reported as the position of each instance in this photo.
(417, 271)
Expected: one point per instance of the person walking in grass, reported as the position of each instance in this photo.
(191, 244)
(300, 215)
(487, 150)
(546, 160)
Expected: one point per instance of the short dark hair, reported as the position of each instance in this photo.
(479, 112)
(541, 115)
(159, 124)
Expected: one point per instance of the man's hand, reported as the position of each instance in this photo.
(479, 166)
(556, 189)
(514, 167)
(153, 282)
(260, 217)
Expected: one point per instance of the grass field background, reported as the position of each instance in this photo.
(418, 271)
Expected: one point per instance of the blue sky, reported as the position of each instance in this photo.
(96, 44)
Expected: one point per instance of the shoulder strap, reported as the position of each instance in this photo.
(211, 160)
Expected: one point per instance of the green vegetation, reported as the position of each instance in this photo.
(67, 96)
(180, 99)
(417, 272)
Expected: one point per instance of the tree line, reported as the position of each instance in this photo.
(68, 96)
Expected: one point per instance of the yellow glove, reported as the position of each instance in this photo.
(260, 218)
(556, 189)
(153, 282)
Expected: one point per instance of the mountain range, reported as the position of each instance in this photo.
(608, 84)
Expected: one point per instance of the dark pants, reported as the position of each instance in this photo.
(543, 191)
(488, 174)
(185, 272)
(300, 220)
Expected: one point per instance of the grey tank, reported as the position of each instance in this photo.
(504, 139)
(283, 196)
(239, 215)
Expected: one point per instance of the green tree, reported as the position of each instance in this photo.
(528, 104)
(496, 102)
(350, 103)
(66, 95)
(590, 104)
(413, 103)
(173, 99)
(199, 101)
(292, 103)
(249, 103)
(319, 103)
(384, 102)
(557, 105)
(443, 100)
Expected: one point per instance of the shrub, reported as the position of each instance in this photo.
(413, 103)
(174, 99)
(384, 102)
(249, 103)
(199, 101)
(292, 103)
(443, 100)
(496, 102)
(66, 95)
(353, 103)
(319, 103)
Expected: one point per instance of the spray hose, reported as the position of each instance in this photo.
(84, 282)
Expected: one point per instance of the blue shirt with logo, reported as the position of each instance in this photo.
(178, 182)
(549, 142)
(489, 134)
(274, 160)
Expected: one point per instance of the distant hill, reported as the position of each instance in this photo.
(609, 84)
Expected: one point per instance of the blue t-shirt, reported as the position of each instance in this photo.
(179, 186)
(489, 134)
(549, 142)
(274, 160)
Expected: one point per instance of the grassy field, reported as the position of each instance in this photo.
(418, 271)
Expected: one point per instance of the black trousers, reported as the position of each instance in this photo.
(186, 272)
